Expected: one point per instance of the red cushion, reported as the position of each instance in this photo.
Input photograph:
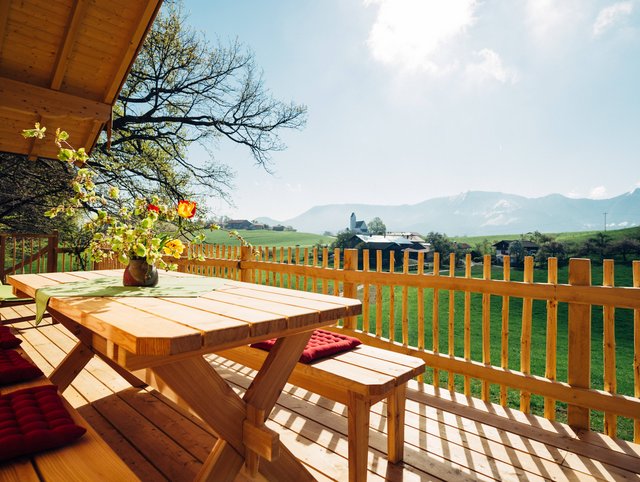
(321, 344)
(14, 368)
(34, 419)
(8, 339)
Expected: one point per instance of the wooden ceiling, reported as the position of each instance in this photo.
(63, 63)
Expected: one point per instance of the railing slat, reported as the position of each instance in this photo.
(392, 299)
(504, 347)
(467, 324)
(609, 348)
(379, 295)
(552, 338)
(525, 335)
(405, 301)
(579, 351)
(486, 325)
(636, 352)
(452, 332)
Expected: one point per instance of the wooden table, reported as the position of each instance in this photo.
(162, 341)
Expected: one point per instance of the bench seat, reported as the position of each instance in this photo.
(358, 379)
(88, 458)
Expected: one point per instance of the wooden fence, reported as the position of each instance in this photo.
(462, 324)
(460, 306)
(37, 253)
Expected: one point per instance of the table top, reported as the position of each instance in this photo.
(236, 313)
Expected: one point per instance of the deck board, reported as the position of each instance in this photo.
(448, 437)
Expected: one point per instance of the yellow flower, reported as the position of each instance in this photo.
(174, 248)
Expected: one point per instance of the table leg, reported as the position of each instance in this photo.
(72, 364)
(195, 384)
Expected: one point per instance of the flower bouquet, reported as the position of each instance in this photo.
(144, 234)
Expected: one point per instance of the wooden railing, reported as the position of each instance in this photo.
(480, 331)
(37, 253)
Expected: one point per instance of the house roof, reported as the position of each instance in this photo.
(525, 243)
(63, 63)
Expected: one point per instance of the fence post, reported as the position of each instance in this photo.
(52, 252)
(350, 289)
(3, 248)
(246, 274)
(579, 358)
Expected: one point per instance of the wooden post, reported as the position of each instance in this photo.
(379, 295)
(421, 321)
(452, 313)
(350, 289)
(365, 292)
(609, 348)
(405, 301)
(52, 253)
(467, 324)
(504, 347)
(392, 299)
(435, 318)
(552, 338)
(245, 273)
(636, 351)
(3, 247)
(486, 325)
(525, 336)
(579, 357)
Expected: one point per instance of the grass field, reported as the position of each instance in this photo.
(573, 237)
(269, 238)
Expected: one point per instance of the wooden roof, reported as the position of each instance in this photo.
(63, 63)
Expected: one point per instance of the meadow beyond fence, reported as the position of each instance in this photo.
(561, 346)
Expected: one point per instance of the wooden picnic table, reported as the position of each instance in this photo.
(161, 341)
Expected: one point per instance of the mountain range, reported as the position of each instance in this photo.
(476, 213)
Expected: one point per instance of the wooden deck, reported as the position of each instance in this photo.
(448, 437)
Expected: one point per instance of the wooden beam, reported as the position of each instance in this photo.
(22, 97)
(5, 6)
(77, 15)
(135, 44)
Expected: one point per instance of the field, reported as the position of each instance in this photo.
(571, 237)
(269, 238)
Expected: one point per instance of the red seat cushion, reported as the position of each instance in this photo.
(34, 419)
(14, 368)
(321, 344)
(8, 339)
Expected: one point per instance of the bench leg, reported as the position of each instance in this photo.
(395, 423)
(359, 410)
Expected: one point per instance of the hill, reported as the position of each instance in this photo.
(572, 237)
(269, 238)
(477, 213)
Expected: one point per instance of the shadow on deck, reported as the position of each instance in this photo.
(448, 436)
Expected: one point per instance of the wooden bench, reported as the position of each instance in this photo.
(358, 379)
(88, 458)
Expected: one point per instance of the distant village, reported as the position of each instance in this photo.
(397, 242)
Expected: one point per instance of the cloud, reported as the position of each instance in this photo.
(611, 15)
(411, 34)
(550, 20)
(490, 67)
(598, 192)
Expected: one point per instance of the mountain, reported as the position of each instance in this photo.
(477, 213)
(268, 221)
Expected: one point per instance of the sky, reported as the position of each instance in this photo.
(414, 99)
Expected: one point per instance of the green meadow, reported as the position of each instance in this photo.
(268, 238)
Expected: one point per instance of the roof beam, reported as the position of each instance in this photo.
(122, 70)
(4, 19)
(77, 15)
(22, 97)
